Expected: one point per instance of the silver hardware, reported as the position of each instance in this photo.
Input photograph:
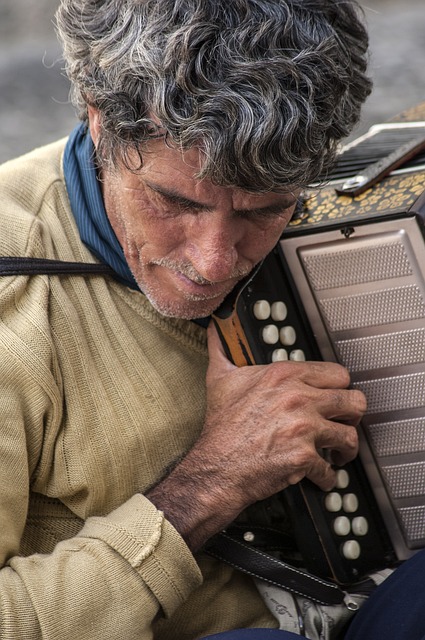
(351, 604)
(357, 181)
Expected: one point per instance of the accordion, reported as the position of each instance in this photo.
(346, 283)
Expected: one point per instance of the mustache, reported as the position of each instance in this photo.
(189, 271)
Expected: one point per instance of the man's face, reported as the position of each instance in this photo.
(186, 241)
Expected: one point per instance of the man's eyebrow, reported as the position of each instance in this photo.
(271, 209)
(173, 197)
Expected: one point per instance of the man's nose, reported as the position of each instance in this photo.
(212, 250)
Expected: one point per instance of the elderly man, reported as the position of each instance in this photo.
(125, 444)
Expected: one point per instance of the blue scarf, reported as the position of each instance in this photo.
(89, 210)
(87, 205)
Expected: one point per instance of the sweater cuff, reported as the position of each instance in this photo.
(141, 535)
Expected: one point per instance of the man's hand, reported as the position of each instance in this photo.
(266, 427)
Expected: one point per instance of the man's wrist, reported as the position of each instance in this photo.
(195, 500)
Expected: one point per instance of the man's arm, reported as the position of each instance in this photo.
(110, 580)
(124, 568)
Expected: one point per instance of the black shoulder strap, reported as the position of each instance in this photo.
(15, 266)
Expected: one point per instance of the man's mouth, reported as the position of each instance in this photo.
(200, 288)
(187, 279)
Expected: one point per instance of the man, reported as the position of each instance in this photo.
(125, 446)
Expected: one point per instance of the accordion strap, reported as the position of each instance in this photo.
(260, 565)
(15, 266)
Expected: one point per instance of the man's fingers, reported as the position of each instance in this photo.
(321, 375)
(323, 475)
(341, 440)
(344, 405)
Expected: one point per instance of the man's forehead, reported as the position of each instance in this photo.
(173, 172)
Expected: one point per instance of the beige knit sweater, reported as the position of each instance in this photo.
(98, 394)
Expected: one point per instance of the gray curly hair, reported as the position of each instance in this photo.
(266, 88)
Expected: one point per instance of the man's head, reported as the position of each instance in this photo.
(208, 116)
(264, 87)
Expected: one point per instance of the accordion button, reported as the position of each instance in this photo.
(342, 479)
(333, 502)
(297, 355)
(351, 550)
(270, 334)
(261, 310)
(342, 526)
(279, 311)
(279, 355)
(360, 526)
(288, 335)
(350, 503)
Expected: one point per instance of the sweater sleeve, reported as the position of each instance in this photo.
(109, 581)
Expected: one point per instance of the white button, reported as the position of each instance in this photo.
(279, 311)
(248, 536)
(261, 310)
(288, 335)
(333, 502)
(360, 526)
(270, 334)
(297, 355)
(342, 479)
(279, 355)
(351, 550)
(350, 503)
(342, 526)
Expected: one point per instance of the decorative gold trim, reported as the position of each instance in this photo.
(395, 194)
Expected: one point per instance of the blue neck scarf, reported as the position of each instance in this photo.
(87, 205)
(89, 210)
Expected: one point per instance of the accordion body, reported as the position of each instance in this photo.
(350, 272)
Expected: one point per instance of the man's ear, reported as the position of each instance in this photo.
(94, 124)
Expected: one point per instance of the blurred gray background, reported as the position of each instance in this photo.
(34, 104)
